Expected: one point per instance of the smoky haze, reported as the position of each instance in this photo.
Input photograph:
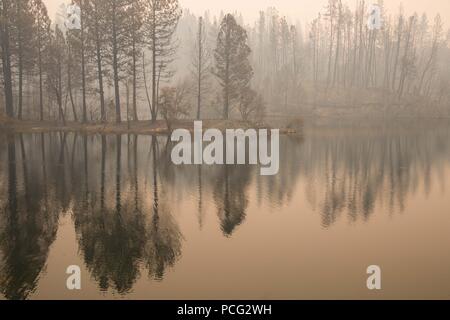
(305, 10)
(303, 58)
(91, 105)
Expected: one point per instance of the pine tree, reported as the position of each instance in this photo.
(233, 67)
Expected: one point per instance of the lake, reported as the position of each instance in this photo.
(347, 196)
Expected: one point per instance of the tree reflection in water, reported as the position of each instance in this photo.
(28, 224)
(122, 194)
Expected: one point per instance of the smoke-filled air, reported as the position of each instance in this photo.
(224, 149)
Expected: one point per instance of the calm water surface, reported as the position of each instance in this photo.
(346, 197)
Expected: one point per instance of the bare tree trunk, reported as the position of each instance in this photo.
(135, 115)
(145, 84)
(116, 67)
(19, 25)
(338, 44)
(58, 91)
(397, 51)
(404, 72)
(83, 64)
(370, 65)
(316, 75)
(199, 66)
(314, 44)
(294, 58)
(387, 59)
(41, 98)
(428, 65)
(69, 82)
(154, 101)
(100, 71)
(361, 42)
(227, 77)
(127, 87)
(330, 54)
(355, 48)
(69, 88)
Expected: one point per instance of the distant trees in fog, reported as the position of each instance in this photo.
(342, 61)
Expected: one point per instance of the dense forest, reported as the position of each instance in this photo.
(133, 60)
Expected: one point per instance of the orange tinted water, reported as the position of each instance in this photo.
(141, 228)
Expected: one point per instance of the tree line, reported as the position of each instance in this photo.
(122, 49)
(148, 59)
(338, 58)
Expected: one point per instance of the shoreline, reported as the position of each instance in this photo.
(143, 127)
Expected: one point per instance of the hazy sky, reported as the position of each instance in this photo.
(302, 9)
